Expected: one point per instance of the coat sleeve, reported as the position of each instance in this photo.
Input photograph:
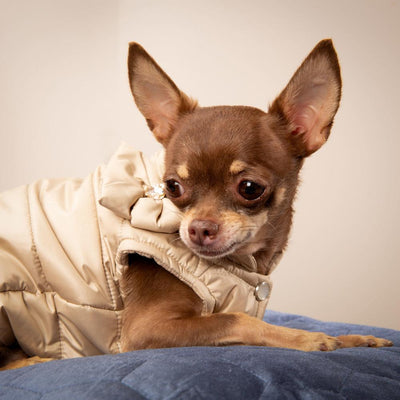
(16, 257)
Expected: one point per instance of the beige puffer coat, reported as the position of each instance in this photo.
(64, 245)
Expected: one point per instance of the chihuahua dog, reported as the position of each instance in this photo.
(233, 172)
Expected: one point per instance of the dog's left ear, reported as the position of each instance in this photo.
(155, 94)
(309, 102)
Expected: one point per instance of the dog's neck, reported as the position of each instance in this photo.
(267, 260)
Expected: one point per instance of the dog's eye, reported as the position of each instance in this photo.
(250, 190)
(174, 188)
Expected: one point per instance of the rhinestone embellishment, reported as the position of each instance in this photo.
(156, 192)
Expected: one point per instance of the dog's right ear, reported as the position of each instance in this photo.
(155, 94)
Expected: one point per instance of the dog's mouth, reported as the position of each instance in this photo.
(210, 253)
(216, 250)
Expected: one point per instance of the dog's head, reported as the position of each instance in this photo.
(233, 170)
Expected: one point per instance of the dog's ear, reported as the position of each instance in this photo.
(157, 97)
(309, 102)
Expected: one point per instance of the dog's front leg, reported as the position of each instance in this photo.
(221, 330)
(161, 311)
(236, 329)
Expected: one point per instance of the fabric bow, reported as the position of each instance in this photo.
(132, 188)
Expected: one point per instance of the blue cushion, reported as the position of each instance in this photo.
(237, 372)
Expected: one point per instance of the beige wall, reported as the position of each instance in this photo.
(65, 106)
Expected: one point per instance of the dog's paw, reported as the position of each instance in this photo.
(317, 341)
(363, 341)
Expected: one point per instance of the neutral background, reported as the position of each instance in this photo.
(65, 105)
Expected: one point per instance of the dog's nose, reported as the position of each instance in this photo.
(203, 232)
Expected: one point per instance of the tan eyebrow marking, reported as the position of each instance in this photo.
(237, 166)
(183, 171)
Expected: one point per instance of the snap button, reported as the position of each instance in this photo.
(262, 291)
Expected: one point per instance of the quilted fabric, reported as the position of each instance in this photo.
(221, 373)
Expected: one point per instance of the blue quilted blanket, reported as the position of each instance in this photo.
(240, 372)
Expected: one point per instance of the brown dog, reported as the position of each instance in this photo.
(233, 173)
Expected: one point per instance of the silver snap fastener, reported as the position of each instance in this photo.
(262, 291)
